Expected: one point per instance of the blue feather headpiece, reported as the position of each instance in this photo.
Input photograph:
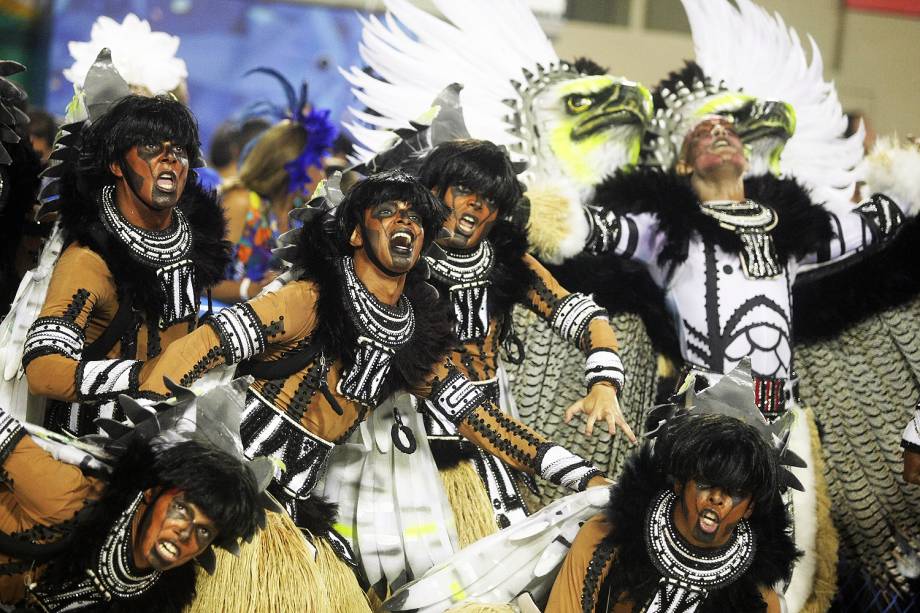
(321, 132)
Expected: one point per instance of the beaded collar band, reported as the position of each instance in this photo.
(112, 577)
(382, 329)
(688, 574)
(467, 275)
(752, 223)
(150, 247)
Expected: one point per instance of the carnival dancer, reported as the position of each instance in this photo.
(142, 242)
(694, 523)
(484, 272)
(726, 251)
(356, 323)
(178, 487)
(19, 169)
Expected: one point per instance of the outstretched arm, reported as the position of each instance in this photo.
(53, 356)
(857, 227)
(234, 334)
(459, 406)
(578, 319)
(583, 571)
(44, 490)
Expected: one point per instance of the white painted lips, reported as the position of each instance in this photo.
(466, 224)
(166, 181)
(168, 551)
(401, 241)
(709, 521)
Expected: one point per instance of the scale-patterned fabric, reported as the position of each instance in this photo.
(552, 377)
(863, 386)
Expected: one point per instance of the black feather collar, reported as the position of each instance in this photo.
(510, 277)
(210, 252)
(634, 574)
(338, 336)
(802, 227)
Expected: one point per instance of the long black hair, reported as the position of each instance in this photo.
(721, 451)
(392, 185)
(479, 165)
(133, 120)
(220, 484)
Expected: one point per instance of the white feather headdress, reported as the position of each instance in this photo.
(145, 58)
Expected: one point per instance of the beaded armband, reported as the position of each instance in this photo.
(562, 467)
(455, 397)
(106, 378)
(604, 365)
(240, 331)
(881, 215)
(53, 335)
(603, 230)
(910, 439)
(572, 314)
(11, 431)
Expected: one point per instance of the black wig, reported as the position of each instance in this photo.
(219, 484)
(392, 185)
(721, 451)
(133, 120)
(480, 166)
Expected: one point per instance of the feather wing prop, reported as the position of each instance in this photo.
(416, 55)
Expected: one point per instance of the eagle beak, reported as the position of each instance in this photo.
(765, 129)
(628, 104)
(767, 119)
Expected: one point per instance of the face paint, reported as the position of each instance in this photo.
(174, 531)
(711, 144)
(392, 236)
(156, 173)
(472, 217)
(706, 515)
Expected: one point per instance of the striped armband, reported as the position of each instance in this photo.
(11, 431)
(604, 365)
(910, 438)
(100, 379)
(572, 315)
(240, 331)
(53, 335)
(454, 398)
(562, 467)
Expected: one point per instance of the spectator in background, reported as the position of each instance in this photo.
(337, 160)
(278, 172)
(228, 142)
(42, 128)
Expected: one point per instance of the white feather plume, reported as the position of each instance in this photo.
(753, 51)
(893, 168)
(144, 58)
(483, 45)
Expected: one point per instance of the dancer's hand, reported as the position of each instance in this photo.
(601, 403)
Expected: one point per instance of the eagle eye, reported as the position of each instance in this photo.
(578, 103)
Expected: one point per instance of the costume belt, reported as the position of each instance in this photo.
(772, 395)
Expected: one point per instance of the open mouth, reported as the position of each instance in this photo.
(604, 120)
(466, 224)
(166, 181)
(709, 521)
(168, 551)
(401, 242)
